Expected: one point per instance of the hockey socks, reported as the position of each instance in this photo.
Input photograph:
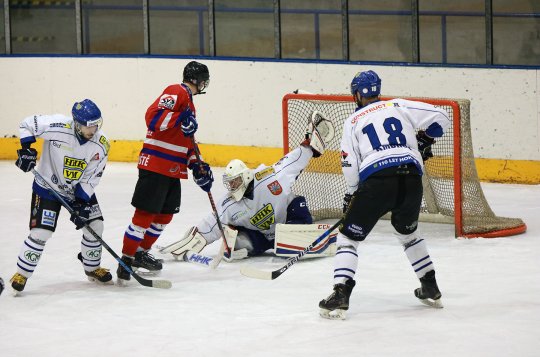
(417, 253)
(346, 259)
(134, 234)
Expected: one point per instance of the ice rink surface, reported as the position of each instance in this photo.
(490, 287)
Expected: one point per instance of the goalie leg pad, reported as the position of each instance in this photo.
(291, 239)
(192, 241)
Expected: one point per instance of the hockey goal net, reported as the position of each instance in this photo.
(452, 191)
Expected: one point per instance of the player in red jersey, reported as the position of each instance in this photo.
(166, 155)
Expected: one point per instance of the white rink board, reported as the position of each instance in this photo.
(243, 104)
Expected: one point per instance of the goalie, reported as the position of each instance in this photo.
(258, 200)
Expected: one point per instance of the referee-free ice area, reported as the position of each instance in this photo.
(491, 290)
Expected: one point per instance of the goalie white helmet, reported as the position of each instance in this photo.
(236, 178)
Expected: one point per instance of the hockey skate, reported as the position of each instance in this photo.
(429, 293)
(123, 276)
(100, 275)
(18, 282)
(335, 306)
(145, 260)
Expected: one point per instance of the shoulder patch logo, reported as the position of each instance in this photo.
(275, 187)
(264, 173)
(167, 101)
(103, 140)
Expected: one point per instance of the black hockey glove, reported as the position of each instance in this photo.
(81, 213)
(347, 201)
(202, 175)
(424, 144)
(27, 158)
(188, 123)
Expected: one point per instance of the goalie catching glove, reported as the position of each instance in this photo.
(319, 132)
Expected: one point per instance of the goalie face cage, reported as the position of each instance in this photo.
(452, 191)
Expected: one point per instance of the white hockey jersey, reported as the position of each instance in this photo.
(272, 194)
(382, 135)
(69, 166)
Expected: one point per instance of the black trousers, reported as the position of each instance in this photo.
(156, 193)
(395, 189)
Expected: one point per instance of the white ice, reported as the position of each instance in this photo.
(491, 291)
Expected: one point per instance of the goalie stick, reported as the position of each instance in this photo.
(224, 247)
(252, 272)
(161, 284)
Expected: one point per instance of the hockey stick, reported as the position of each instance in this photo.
(255, 273)
(161, 284)
(224, 247)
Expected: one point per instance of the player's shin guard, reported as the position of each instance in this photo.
(31, 251)
(90, 247)
(346, 259)
(417, 253)
(90, 255)
(133, 237)
(134, 233)
(155, 229)
(151, 235)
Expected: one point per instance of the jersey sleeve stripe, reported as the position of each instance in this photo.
(155, 119)
(165, 122)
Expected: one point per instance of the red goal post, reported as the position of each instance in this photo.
(452, 190)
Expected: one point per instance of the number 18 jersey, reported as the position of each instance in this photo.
(383, 134)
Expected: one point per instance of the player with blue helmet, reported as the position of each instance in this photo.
(382, 162)
(73, 158)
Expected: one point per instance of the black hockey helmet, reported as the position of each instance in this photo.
(197, 74)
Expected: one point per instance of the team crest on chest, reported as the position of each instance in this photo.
(275, 187)
(73, 168)
(264, 218)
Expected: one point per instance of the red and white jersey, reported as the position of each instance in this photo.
(272, 194)
(70, 167)
(383, 134)
(166, 150)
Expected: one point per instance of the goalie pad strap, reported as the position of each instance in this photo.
(291, 239)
